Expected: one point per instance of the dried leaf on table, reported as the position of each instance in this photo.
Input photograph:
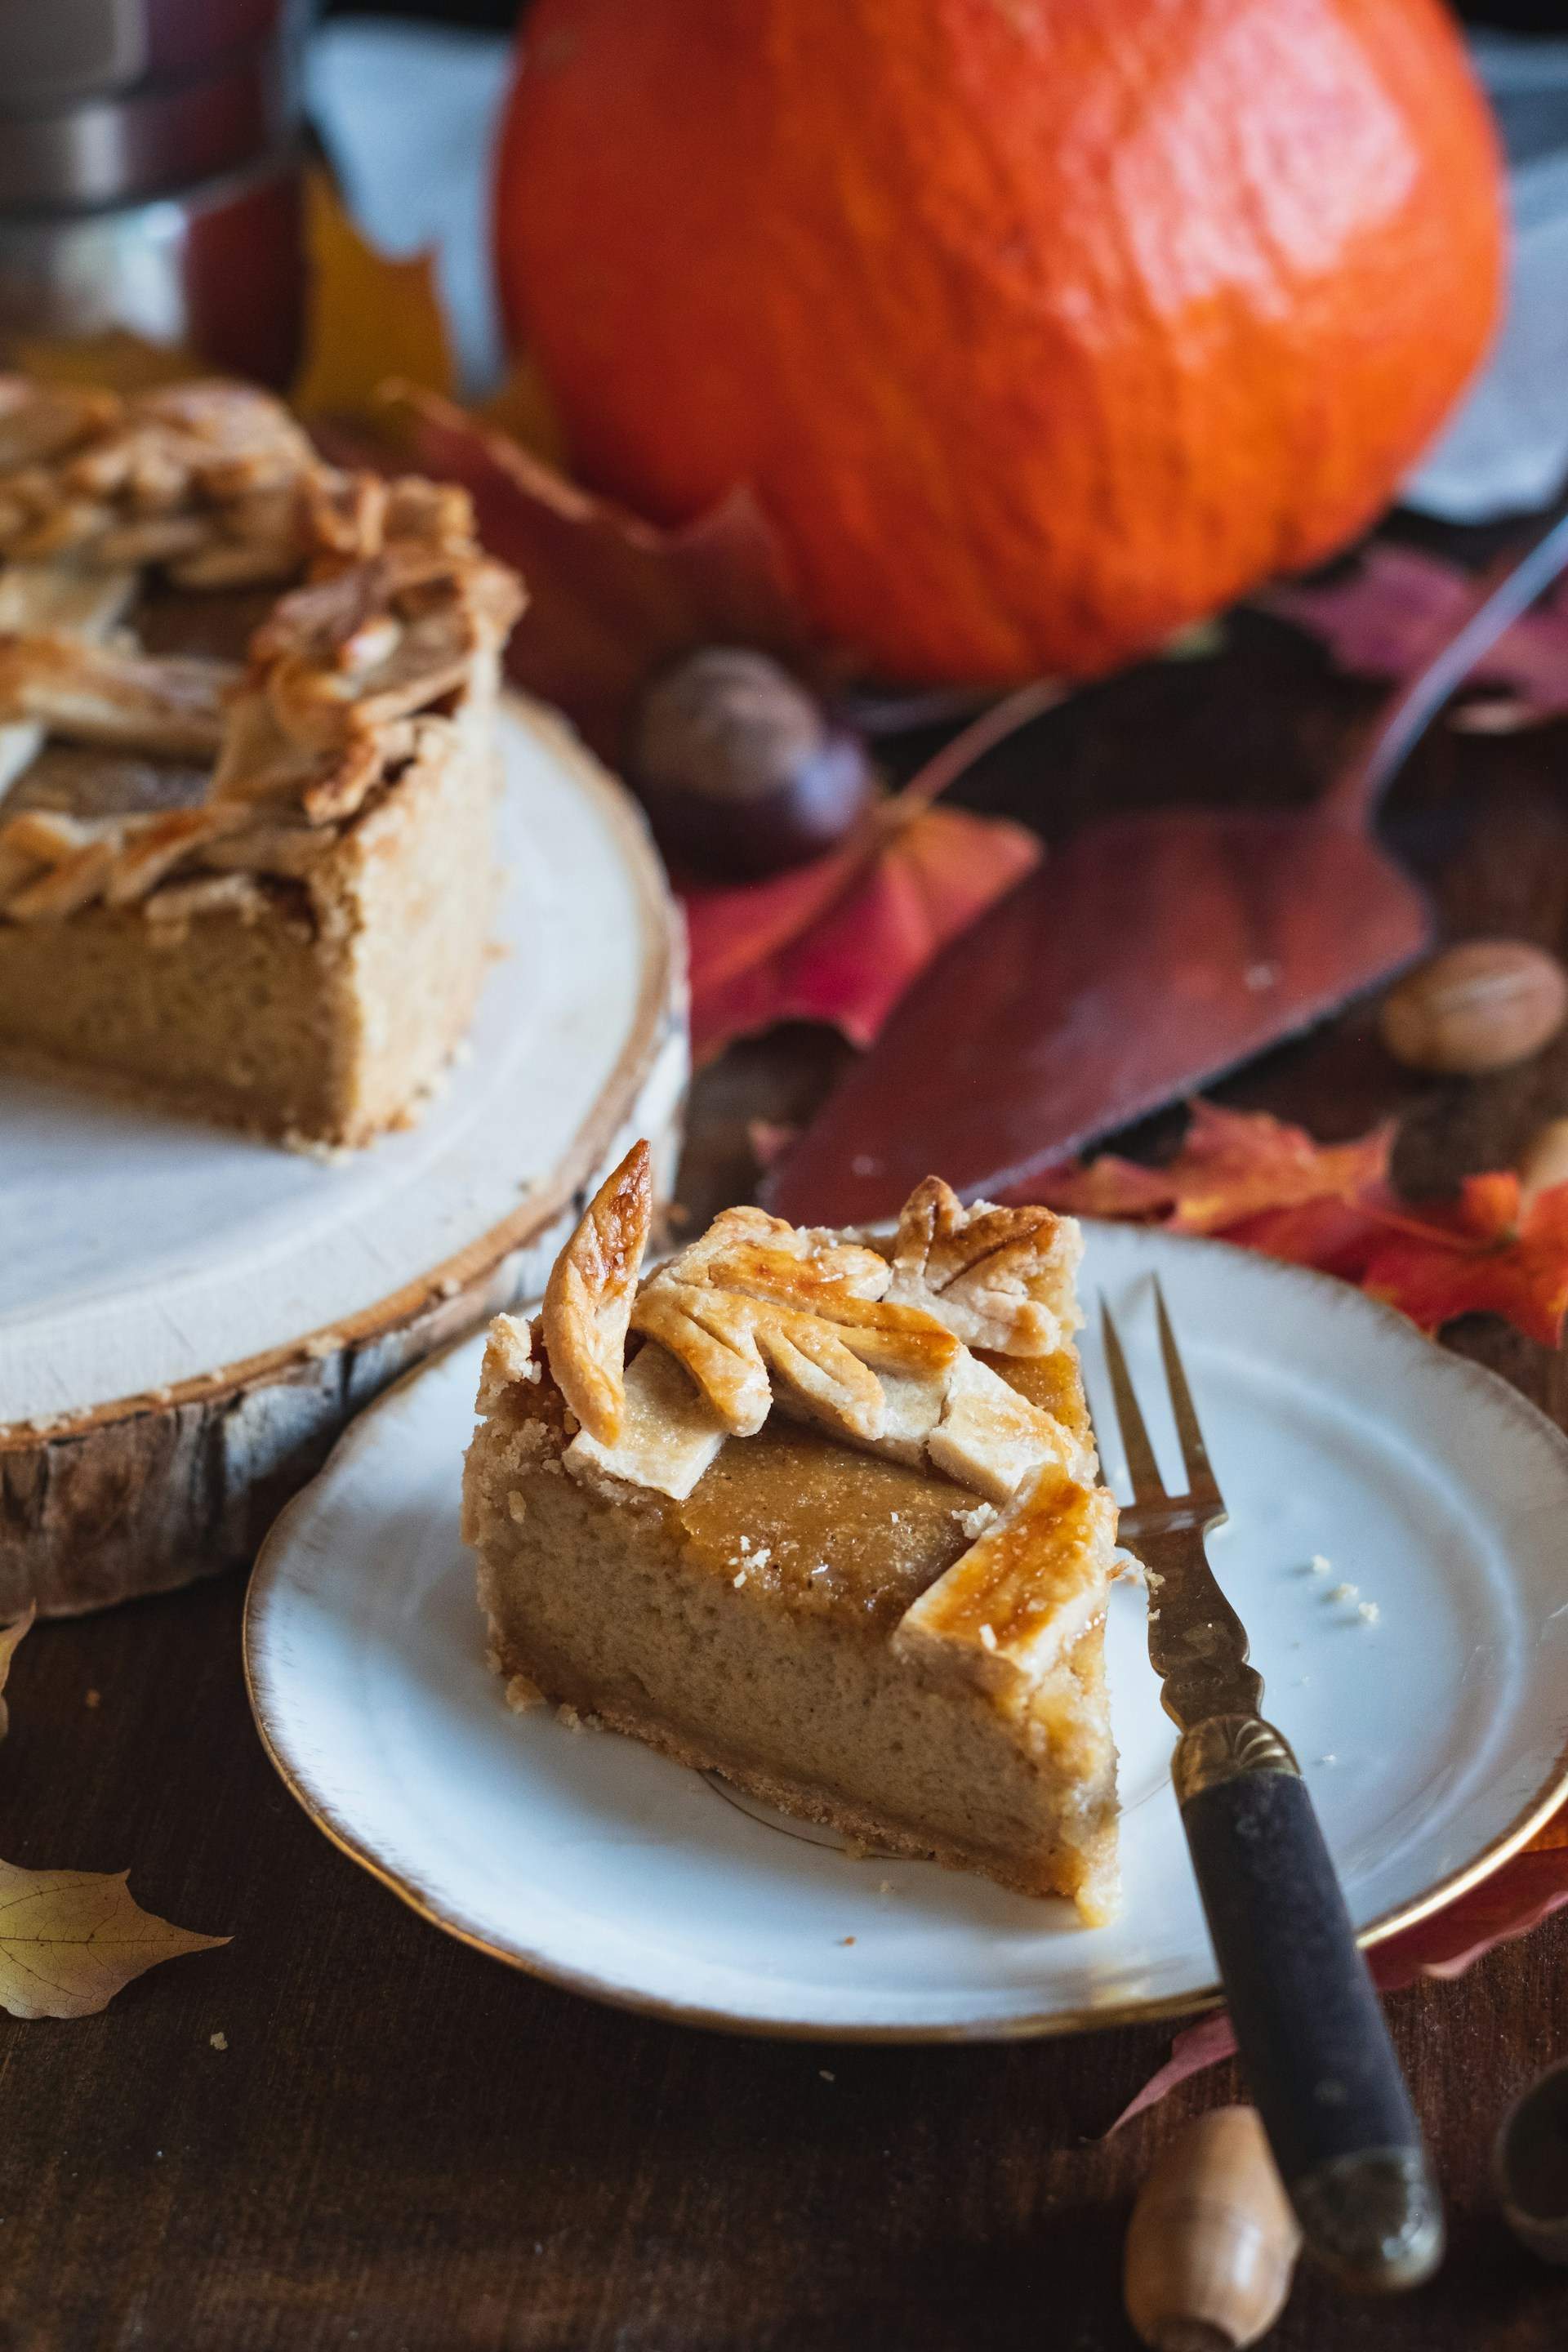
(1333, 1236)
(523, 410)
(1265, 1185)
(1232, 1164)
(1482, 1256)
(612, 599)
(1385, 619)
(840, 940)
(368, 316)
(116, 359)
(1508, 1903)
(10, 1636)
(1516, 1897)
(70, 1939)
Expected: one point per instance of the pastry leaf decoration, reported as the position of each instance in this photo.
(588, 1298)
(748, 1303)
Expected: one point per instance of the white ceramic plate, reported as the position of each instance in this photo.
(1433, 1739)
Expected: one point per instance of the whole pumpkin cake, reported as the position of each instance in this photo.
(819, 1511)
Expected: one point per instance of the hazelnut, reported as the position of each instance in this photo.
(1213, 2242)
(1530, 2166)
(739, 766)
(1479, 1006)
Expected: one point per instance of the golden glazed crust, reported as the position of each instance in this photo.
(588, 1300)
(1000, 1279)
(399, 612)
(757, 1313)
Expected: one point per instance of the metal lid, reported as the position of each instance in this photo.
(56, 52)
(106, 103)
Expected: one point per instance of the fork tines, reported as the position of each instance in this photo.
(1148, 1486)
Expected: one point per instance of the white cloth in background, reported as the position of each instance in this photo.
(1506, 450)
(409, 114)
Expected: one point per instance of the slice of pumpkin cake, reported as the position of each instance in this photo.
(820, 1511)
(248, 761)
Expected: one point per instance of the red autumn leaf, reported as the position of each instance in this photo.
(1107, 1187)
(1515, 1898)
(1260, 1184)
(840, 940)
(611, 598)
(1233, 1165)
(1197, 2047)
(1482, 1256)
(1383, 620)
(1333, 1236)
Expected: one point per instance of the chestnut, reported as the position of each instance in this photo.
(739, 768)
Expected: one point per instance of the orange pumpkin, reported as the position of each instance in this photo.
(1039, 327)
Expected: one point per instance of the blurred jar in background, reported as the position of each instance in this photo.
(149, 154)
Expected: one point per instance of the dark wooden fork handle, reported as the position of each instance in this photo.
(1310, 2027)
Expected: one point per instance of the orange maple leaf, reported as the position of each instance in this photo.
(1484, 1254)
(1266, 1185)
(839, 940)
(1232, 1166)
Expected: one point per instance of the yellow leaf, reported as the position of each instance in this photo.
(117, 359)
(367, 316)
(9, 1637)
(69, 1940)
(523, 408)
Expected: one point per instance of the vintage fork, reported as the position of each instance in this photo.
(1309, 2028)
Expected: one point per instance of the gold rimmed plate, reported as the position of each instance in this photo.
(1396, 1550)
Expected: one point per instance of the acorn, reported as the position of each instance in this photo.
(741, 769)
(1213, 2242)
(1529, 2165)
(1482, 1005)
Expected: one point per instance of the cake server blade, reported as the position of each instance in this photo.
(1150, 956)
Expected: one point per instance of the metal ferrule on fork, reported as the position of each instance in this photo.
(1224, 1748)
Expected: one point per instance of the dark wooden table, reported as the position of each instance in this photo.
(405, 2147)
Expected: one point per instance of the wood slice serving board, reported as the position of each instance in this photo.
(188, 1317)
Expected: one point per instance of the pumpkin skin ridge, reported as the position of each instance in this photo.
(1024, 380)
